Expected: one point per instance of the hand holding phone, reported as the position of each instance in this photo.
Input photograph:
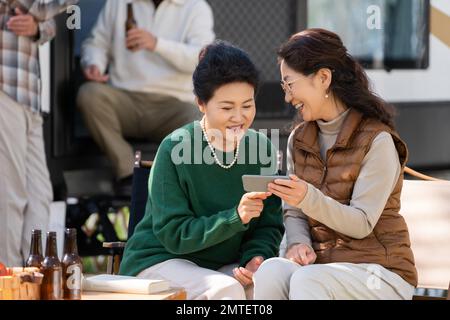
(291, 191)
(251, 205)
(257, 183)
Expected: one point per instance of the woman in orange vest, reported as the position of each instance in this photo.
(345, 236)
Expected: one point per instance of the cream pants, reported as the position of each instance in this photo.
(282, 279)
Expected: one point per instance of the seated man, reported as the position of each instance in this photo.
(147, 92)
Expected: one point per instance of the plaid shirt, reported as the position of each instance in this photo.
(19, 55)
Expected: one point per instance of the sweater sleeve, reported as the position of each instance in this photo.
(379, 173)
(295, 221)
(174, 223)
(184, 55)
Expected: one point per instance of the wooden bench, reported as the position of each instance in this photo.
(426, 209)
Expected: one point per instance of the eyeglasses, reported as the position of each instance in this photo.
(286, 86)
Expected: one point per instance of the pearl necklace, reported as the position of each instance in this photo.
(216, 159)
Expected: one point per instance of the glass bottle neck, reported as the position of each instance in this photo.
(130, 13)
(36, 245)
(70, 245)
(51, 248)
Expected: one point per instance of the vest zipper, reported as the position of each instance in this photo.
(324, 174)
(324, 163)
(325, 168)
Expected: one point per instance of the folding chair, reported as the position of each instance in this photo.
(139, 195)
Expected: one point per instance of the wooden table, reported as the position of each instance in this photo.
(172, 294)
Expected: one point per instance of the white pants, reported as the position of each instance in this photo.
(199, 283)
(25, 188)
(282, 279)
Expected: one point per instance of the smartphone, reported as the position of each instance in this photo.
(257, 183)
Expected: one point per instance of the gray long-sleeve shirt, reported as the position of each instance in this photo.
(379, 173)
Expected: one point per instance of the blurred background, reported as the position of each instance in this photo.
(406, 55)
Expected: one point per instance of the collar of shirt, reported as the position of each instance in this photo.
(334, 126)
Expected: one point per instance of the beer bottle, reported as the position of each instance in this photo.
(72, 267)
(35, 258)
(51, 287)
(130, 22)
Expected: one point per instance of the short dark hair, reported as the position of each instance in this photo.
(221, 63)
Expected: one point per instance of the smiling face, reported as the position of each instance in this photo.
(306, 93)
(231, 111)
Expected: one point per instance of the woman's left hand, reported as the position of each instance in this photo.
(290, 191)
(245, 275)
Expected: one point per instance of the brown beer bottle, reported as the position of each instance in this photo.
(35, 258)
(72, 266)
(130, 22)
(51, 287)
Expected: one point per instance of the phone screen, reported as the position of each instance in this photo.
(256, 183)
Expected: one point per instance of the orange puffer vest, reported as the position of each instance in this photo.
(388, 244)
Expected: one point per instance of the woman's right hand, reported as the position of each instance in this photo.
(251, 205)
(302, 254)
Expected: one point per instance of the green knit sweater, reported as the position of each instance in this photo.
(191, 212)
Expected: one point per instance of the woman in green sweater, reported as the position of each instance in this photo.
(201, 231)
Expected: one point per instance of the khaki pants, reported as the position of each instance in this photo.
(199, 283)
(25, 188)
(111, 114)
(282, 279)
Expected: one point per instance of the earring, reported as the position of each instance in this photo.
(326, 96)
